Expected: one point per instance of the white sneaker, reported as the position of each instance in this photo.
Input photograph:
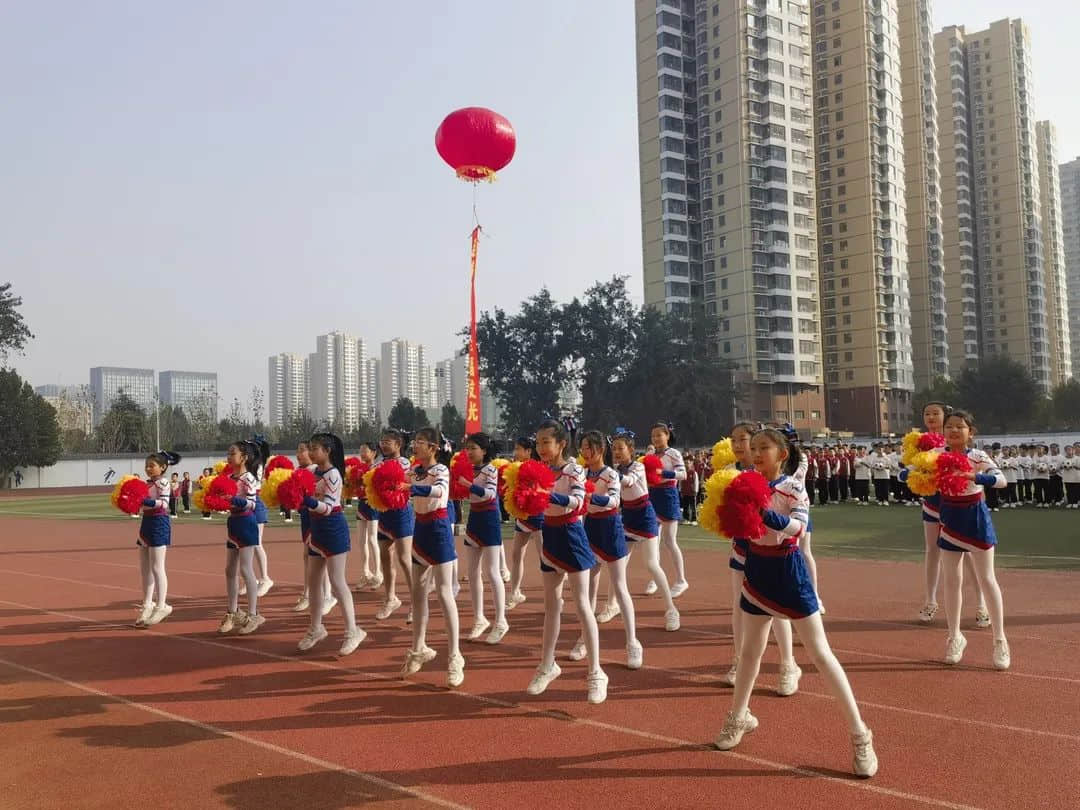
(672, 620)
(352, 641)
(597, 682)
(302, 604)
(251, 624)
(408, 616)
(820, 606)
(243, 588)
(982, 618)
(610, 611)
(159, 615)
(387, 608)
(265, 585)
(1002, 659)
(928, 612)
(505, 573)
(329, 605)
(734, 729)
(455, 670)
(789, 680)
(651, 588)
(729, 676)
(288, 520)
(954, 649)
(515, 599)
(497, 632)
(232, 621)
(865, 762)
(312, 637)
(542, 679)
(578, 651)
(456, 587)
(145, 613)
(480, 626)
(678, 589)
(635, 655)
(207, 517)
(415, 660)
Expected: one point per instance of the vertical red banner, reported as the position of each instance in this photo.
(472, 382)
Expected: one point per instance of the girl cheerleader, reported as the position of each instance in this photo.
(483, 539)
(262, 516)
(328, 548)
(777, 585)
(565, 554)
(604, 529)
(665, 500)
(524, 530)
(367, 521)
(243, 539)
(303, 461)
(155, 536)
(790, 673)
(639, 519)
(395, 530)
(432, 548)
(967, 531)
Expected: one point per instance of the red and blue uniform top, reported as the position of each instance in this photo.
(674, 469)
(567, 495)
(430, 491)
(605, 500)
(484, 490)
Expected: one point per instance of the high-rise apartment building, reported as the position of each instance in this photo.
(727, 197)
(288, 388)
(862, 215)
(107, 382)
(984, 79)
(1057, 310)
(335, 380)
(190, 390)
(402, 374)
(922, 179)
(372, 378)
(1070, 217)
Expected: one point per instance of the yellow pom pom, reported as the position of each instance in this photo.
(510, 478)
(925, 461)
(373, 499)
(581, 460)
(270, 486)
(115, 496)
(922, 483)
(910, 447)
(722, 454)
(715, 489)
(499, 463)
(220, 467)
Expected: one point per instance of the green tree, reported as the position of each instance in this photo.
(123, 429)
(298, 428)
(941, 389)
(175, 429)
(200, 411)
(406, 416)
(1066, 405)
(14, 333)
(452, 422)
(1000, 393)
(45, 447)
(29, 433)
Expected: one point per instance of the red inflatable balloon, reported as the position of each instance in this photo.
(476, 142)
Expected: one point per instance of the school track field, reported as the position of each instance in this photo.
(97, 714)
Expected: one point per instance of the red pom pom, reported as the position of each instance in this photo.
(292, 491)
(388, 477)
(745, 497)
(354, 474)
(654, 468)
(952, 471)
(220, 493)
(132, 493)
(931, 441)
(460, 467)
(535, 480)
(501, 486)
(590, 488)
(278, 463)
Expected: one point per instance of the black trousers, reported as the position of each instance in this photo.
(993, 501)
(862, 489)
(1040, 490)
(1025, 490)
(823, 490)
(187, 501)
(810, 490)
(689, 507)
(843, 483)
(881, 489)
(834, 489)
(1010, 492)
(1073, 492)
(1057, 489)
(172, 505)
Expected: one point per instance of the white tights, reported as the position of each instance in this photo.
(812, 632)
(517, 557)
(669, 531)
(651, 549)
(933, 563)
(262, 565)
(811, 563)
(402, 548)
(368, 540)
(618, 590)
(306, 563)
(444, 587)
(321, 570)
(781, 628)
(579, 583)
(982, 563)
(487, 559)
(152, 568)
(241, 559)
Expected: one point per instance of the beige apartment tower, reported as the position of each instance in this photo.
(1057, 311)
(727, 189)
(862, 215)
(984, 78)
(1070, 217)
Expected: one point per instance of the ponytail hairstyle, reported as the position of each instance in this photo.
(528, 443)
(624, 435)
(780, 439)
(164, 459)
(251, 453)
(597, 440)
(484, 442)
(558, 430)
(263, 448)
(333, 445)
(749, 427)
(668, 428)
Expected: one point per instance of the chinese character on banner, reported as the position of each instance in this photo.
(472, 396)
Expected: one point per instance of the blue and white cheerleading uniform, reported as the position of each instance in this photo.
(484, 527)
(638, 515)
(665, 496)
(433, 542)
(566, 548)
(776, 581)
(329, 526)
(241, 526)
(155, 529)
(603, 523)
(396, 524)
(305, 518)
(965, 519)
(262, 514)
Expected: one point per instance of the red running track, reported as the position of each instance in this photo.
(97, 714)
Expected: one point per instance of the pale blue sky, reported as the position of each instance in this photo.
(199, 185)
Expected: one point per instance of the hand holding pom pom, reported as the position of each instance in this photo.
(954, 474)
(654, 470)
(460, 467)
(295, 488)
(129, 493)
(220, 494)
(744, 501)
